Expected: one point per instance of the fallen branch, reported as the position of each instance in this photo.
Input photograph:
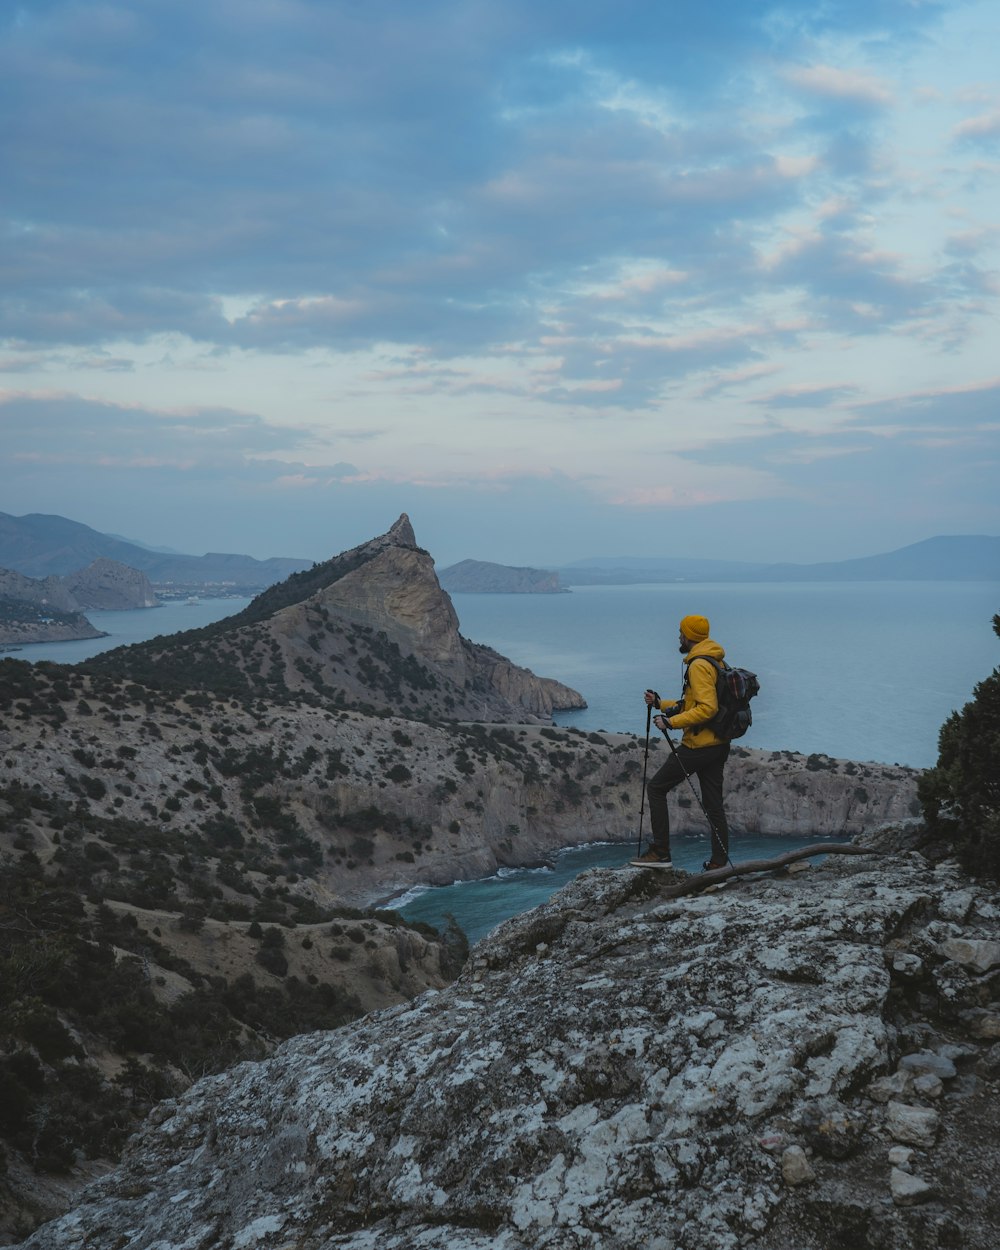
(702, 880)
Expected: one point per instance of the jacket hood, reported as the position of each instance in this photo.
(709, 647)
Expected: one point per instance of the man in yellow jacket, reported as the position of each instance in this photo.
(701, 751)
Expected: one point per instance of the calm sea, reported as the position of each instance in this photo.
(861, 670)
(479, 906)
(864, 671)
(127, 627)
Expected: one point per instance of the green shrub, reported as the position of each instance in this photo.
(960, 796)
(273, 960)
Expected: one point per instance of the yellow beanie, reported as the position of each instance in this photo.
(695, 628)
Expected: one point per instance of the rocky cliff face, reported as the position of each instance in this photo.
(370, 628)
(45, 592)
(39, 610)
(110, 586)
(50, 609)
(805, 1060)
(103, 584)
(22, 623)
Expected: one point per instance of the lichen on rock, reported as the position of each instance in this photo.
(610, 1071)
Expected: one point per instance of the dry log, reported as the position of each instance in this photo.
(702, 880)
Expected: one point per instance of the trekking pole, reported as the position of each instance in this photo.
(645, 761)
(687, 777)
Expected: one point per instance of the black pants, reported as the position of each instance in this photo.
(708, 764)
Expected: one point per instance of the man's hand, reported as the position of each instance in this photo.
(651, 697)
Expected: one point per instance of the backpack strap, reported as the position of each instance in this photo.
(719, 668)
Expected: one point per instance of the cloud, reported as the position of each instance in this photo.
(394, 176)
(807, 396)
(982, 129)
(966, 409)
(843, 85)
(71, 429)
(260, 241)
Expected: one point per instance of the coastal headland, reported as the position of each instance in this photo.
(218, 813)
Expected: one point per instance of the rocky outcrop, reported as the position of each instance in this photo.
(389, 802)
(23, 622)
(370, 628)
(50, 609)
(43, 592)
(480, 577)
(805, 1060)
(110, 586)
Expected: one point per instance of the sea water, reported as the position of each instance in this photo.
(858, 670)
(479, 906)
(865, 671)
(135, 625)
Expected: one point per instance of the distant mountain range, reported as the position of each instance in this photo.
(38, 545)
(961, 557)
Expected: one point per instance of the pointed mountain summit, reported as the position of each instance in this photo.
(370, 628)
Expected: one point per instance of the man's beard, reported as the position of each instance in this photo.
(685, 646)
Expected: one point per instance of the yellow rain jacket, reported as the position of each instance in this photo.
(700, 701)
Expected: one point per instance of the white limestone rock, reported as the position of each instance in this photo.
(795, 1166)
(985, 1025)
(896, 1086)
(907, 966)
(927, 1061)
(624, 1087)
(917, 1126)
(907, 1190)
(980, 955)
(927, 1085)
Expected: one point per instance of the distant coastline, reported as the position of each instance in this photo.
(481, 577)
(945, 558)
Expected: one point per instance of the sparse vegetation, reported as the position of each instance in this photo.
(961, 794)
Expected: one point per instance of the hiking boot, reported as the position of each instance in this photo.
(652, 859)
(709, 866)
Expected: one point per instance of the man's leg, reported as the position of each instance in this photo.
(657, 788)
(711, 770)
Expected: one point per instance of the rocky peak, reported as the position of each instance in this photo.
(805, 1060)
(397, 593)
(369, 628)
(401, 532)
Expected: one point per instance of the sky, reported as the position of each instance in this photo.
(559, 280)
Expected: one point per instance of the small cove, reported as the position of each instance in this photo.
(479, 906)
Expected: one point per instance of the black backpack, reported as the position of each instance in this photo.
(734, 688)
